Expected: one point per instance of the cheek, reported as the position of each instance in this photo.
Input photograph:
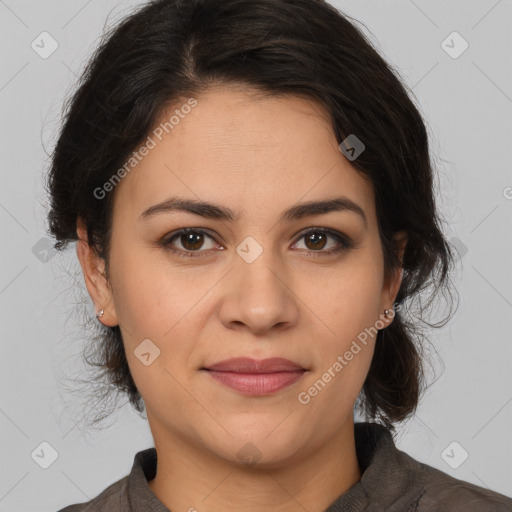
(164, 307)
(347, 300)
(346, 314)
(151, 298)
(343, 362)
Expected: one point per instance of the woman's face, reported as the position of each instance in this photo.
(248, 280)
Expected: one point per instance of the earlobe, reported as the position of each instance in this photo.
(93, 268)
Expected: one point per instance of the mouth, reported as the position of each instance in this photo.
(256, 378)
(254, 366)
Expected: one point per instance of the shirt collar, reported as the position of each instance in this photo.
(388, 482)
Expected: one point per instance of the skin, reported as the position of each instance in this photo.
(257, 157)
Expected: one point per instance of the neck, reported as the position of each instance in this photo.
(189, 478)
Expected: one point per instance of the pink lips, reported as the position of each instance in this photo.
(256, 378)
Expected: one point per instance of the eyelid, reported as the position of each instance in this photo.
(328, 231)
(170, 237)
(344, 240)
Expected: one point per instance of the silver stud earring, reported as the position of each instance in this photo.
(100, 314)
(387, 312)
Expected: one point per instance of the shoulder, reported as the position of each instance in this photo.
(112, 499)
(129, 493)
(445, 493)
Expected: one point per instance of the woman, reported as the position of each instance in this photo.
(250, 189)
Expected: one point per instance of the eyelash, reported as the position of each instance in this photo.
(345, 242)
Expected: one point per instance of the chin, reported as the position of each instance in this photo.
(258, 449)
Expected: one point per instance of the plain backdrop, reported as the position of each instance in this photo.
(463, 423)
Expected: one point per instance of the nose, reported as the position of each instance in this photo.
(259, 295)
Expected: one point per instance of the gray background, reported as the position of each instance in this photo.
(467, 104)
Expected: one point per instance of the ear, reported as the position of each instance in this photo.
(96, 281)
(393, 281)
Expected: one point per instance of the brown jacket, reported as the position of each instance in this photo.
(391, 481)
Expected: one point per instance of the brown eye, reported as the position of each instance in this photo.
(317, 240)
(192, 242)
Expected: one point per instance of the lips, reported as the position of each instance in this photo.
(256, 378)
(252, 366)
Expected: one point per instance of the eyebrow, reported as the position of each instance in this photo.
(213, 211)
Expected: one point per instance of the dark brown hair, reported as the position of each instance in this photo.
(173, 49)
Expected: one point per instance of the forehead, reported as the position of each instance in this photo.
(244, 150)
